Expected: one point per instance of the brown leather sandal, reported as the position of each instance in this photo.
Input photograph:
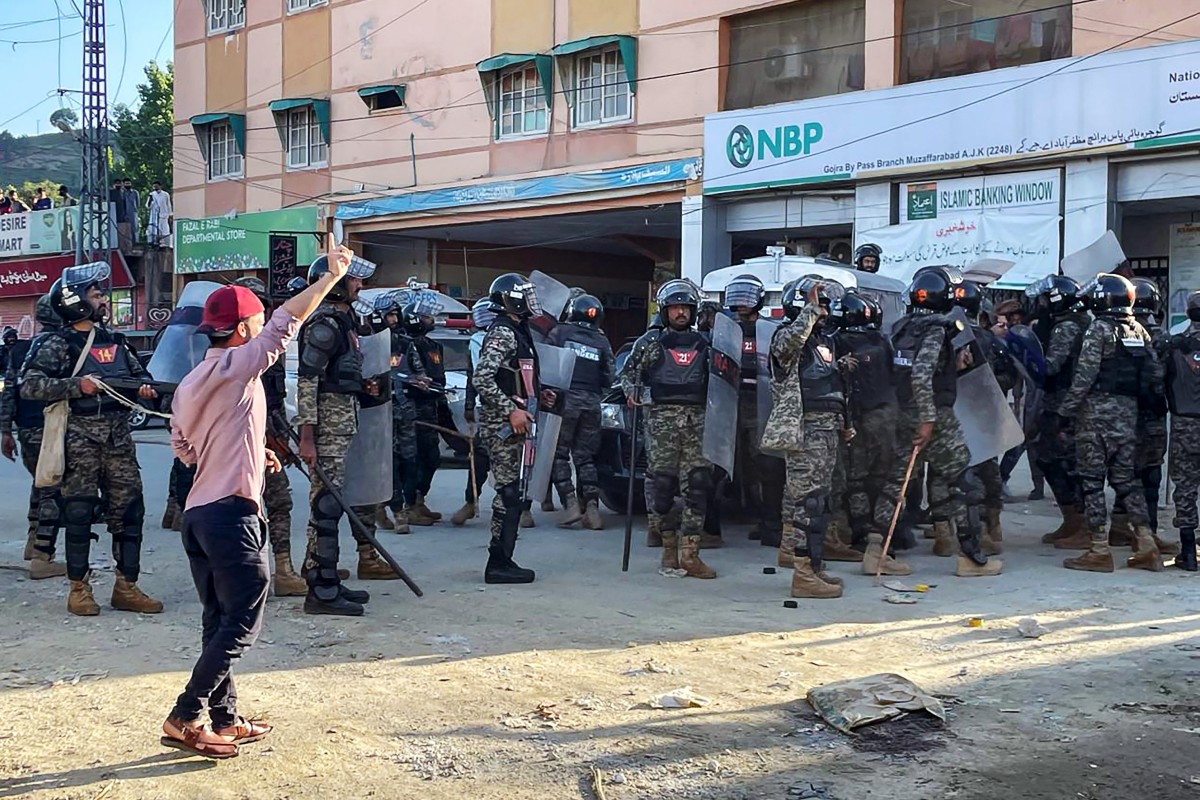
(197, 739)
(245, 731)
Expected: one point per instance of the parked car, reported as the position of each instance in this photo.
(612, 459)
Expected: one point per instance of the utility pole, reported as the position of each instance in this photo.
(94, 238)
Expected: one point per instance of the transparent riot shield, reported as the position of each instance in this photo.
(180, 348)
(556, 365)
(719, 444)
(552, 293)
(763, 331)
(987, 421)
(369, 461)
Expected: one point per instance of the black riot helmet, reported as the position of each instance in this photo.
(1109, 295)
(295, 286)
(514, 294)
(969, 297)
(1146, 297)
(1193, 306)
(585, 311)
(876, 321)
(43, 313)
(790, 302)
(852, 311)
(257, 286)
(420, 315)
(1057, 294)
(745, 291)
(865, 251)
(933, 289)
(68, 295)
(10, 335)
(677, 292)
(359, 268)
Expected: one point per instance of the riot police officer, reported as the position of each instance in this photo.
(483, 314)
(429, 404)
(866, 257)
(673, 363)
(1183, 394)
(927, 365)
(761, 475)
(1116, 363)
(101, 459)
(579, 438)
(329, 390)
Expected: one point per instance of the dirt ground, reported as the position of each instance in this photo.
(523, 692)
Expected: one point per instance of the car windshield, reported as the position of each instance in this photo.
(457, 350)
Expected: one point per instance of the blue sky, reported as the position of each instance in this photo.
(32, 65)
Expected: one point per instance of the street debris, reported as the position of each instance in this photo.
(847, 705)
(683, 697)
(1030, 628)
(900, 599)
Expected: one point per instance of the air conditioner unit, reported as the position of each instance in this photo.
(787, 62)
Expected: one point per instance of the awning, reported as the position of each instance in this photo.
(31, 277)
(237, 122)
(372, 91)
(626, 44)
(280, 108)
(490, 67)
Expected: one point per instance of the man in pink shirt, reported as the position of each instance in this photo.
(219, 424)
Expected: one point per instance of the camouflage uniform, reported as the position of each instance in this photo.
(101, 459)
(1184, 358)
(1056, 454)
(404, 415)
(482, 463)
(277, 489)
(762, 476)
(1106, 423)
(1152, 431)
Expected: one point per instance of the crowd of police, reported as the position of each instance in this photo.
(827, 423)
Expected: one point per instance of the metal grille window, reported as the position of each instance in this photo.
(306, 146)
(521, 103)
(601, 88)
(225, 15)
(224, 158)
(303, 5)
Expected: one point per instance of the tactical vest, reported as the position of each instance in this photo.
(1062, 381)
(274, 382)
(587, 344)
(873, 381)
(509, 379)
(108, 358)
(1183, 394)
(680, 376)
(400, 342)
(28, 414)
(749, 353)
(432, 359)
(1124, 370)
(820, 382)
(906, 340)
(343, 373)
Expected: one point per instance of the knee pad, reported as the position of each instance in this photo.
(135, 512)
(48, 510)
(816, 507)
(78, 512)
(325, 507)
(699, 486)
(1152, 477)
(510, 495)
(664, 492)
(970, 487)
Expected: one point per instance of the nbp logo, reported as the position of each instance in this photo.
(785, 141)
(740, 147)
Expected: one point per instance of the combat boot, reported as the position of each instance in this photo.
(172, 511)
(653, 535)
(837, 550)
(381, 520)
(787, 546)
(373, 568)
(338, 603)
(42, 566)
(806, 583)
(689, 558)
(29, 549)
(1147, 555)
(992, 541)
(1073, 522)
(426, 510)
(80, 601)
(400, 520)
(126, 596)
(527, 519)
(944, 543)
(1186, 560)
(1079, 539)
(711, 541)
(416, 516)
(670, 551)
(468, 511)
(591, 516)
(287, 582)
(1098, 558)
(177, 523)
(967, 567)
(548, 504)
(572, 513)
(875, 560)
(1120, 531)
(1165, 548)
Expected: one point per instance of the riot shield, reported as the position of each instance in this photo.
(369, 460)
(180, 348)
(763, 331)
(556, 365)
(1027, 354)
(988, 423)
(724, 377)
(1103, 255)
(552, 294)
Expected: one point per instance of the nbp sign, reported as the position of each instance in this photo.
(785, 141)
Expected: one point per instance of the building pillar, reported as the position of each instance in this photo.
(1088, 203)
(704, 243)
(882, 45)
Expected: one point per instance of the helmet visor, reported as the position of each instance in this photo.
(483, 314)
(360, 268)
(673, 291)
(743, 293)
(84, 275)
(529, 291)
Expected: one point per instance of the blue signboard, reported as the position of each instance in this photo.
(525, 189)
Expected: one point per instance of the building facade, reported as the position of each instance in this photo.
(617, 142)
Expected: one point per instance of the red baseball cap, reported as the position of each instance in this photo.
(226, 307)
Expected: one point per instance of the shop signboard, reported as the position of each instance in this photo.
(242, 242)
(1032, 192)
(1140, 98)
(1184, 273)
(1031, 241)
(37, 233)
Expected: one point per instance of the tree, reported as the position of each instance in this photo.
(142, 136)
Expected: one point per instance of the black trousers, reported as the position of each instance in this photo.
(226, 545)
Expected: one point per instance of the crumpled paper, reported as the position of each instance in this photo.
(847, 705)
(683, 697)
(1030, 628)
